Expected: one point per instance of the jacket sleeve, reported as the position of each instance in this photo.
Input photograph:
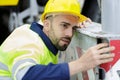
(48, 72)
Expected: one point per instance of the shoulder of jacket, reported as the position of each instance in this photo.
(25, 26)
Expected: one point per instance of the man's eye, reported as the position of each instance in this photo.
(74, 28)
(64, 25)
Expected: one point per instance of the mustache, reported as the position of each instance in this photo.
(67, 38)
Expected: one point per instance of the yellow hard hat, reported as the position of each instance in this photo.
(65, 6)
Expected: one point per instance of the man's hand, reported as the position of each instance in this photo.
(96, 55)
(85, 23)
(93, 57)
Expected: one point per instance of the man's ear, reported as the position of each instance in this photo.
(46, 24)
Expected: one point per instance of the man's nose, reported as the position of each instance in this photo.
(69, 32)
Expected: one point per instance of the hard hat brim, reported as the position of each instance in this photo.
(82, 17)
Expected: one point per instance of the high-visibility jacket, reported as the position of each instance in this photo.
(26, 47)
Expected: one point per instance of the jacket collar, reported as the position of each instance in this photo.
(38, 29)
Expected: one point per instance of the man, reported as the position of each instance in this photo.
(30, 52)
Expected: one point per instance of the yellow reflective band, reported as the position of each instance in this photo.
(4, 73)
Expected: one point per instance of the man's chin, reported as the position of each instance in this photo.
(63, 48)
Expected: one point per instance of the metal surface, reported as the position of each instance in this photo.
(110, 10)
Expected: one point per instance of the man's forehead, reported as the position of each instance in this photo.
(62, 14)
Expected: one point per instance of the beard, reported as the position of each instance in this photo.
(61, 48)
(64, 46)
